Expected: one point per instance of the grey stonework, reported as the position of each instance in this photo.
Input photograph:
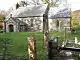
(22, 25)
(15, 25)
(32, 24)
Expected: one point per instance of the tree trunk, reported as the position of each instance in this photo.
(46, 27)
(45, 30)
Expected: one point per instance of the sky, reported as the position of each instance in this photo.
(75, 4)
(6, 4)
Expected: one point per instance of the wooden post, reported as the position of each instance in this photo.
(70, 23)
(65, 34)
(45, 30)
(32, 48)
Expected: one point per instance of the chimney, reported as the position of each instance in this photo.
(10, 15)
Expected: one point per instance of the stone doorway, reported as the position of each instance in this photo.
(11, 28)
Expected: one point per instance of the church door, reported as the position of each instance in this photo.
(11, 29)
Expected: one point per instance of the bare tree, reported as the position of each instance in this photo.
(45, 21)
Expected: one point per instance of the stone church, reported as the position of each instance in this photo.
(36, 23)
(15, 25)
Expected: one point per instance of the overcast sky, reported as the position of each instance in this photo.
(6, 4)
(75, 4)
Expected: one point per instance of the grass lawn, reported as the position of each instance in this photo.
(19, 42)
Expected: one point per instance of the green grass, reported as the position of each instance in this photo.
(19, 42)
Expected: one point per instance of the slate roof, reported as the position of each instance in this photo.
(30, 10)
(65, 13)
(17, 21)
(39, 10)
